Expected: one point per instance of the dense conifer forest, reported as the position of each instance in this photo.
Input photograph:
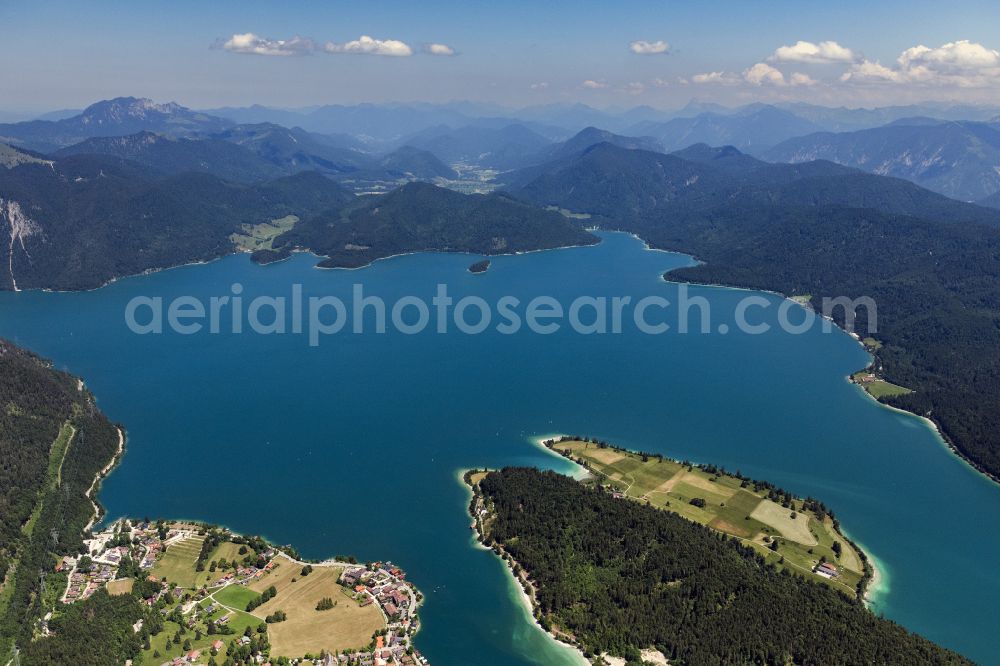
(419, 216)
(44, 509)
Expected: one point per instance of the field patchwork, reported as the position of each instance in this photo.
(738, 507)
(307, 630)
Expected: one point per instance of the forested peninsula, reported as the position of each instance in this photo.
(616, 577)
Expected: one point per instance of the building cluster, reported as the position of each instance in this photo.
(381, 584)
(99, 566)
(386, 586)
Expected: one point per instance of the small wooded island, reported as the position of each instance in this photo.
(642, 562)
(479, 267)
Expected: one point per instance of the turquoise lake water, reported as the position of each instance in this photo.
(354, 447)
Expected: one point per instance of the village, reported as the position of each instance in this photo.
(222, 599)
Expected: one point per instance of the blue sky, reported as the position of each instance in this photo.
(67, 54)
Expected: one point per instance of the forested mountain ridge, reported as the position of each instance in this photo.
(86, 219)
(617, 576)
(752, 128)
(420, 217)
(614, 182)
(172, 156)
(54, 442)
(591, 136)
(957, 159)
(254, 153)
(409, 161)
(89, 219)
(11, 157)
(992, 201)
(931, 263)
(293, 150)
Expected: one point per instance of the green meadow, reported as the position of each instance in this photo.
(787, 533)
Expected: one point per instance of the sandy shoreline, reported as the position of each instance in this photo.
(516, 589)
(878, 585)
(580, 473)
(100, 476)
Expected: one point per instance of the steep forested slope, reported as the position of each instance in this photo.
(88, 219)
(172, 156)
(53, 442)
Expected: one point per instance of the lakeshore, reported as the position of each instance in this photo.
(199, 577)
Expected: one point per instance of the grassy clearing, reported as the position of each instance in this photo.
(731, 506)
(261, 236)
(565, 212)
(881, 389)
(53, 475)
(120, 586)
(791, 525)
(178, 564)
(476, 477)
(307, 630)
(224, 551)
(872, 344)
(235, 596)
(878, 388)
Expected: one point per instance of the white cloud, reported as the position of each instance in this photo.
(866, 70)
(763, 74)
(719, 78)
(635, 88)
(252, 44)
(808, 52)
(365, 45)
(541, 85)
(649, 48)
(439, 49)
(961, 55)
(594, 85)
(961, 63)
(800, 79)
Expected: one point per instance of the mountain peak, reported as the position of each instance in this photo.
(127, 108)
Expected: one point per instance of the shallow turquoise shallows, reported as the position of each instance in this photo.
(354, 446)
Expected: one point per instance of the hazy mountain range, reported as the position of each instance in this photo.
(958, 158)
(951, 149)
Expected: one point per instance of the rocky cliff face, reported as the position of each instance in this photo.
(19, 227)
